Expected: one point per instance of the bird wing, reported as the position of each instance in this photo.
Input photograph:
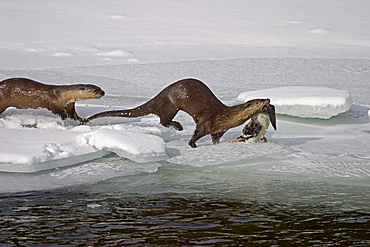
(271, 113)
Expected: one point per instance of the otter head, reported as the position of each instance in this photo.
(255, 106)
(84, 91)
(263, 106)
(89, 91)
(243, 112)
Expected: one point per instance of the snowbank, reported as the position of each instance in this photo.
(139, 147)
(306, 102)
(32, 149)
(25, 149)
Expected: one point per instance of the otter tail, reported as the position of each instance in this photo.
(135, 112)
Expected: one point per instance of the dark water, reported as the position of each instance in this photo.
(111, 213)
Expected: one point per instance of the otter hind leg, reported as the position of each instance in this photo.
(175, 124)
(217, 136)
(166, 120)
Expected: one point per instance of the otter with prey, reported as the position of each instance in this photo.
(192, 96)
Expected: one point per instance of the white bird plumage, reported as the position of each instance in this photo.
(257, 127)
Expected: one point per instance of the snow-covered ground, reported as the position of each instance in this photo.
(310, 57)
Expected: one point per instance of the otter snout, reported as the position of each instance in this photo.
(99, 92)
(102, 93)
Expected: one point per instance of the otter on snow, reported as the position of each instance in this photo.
(25, 93)
(192, 96)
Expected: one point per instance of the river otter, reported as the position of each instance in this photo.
(25, 93)
(259, 124)
(195, 98)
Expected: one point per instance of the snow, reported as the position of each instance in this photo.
(137, 146)
(311, 58)
(300, 101)
(178, 31)
(25, 149)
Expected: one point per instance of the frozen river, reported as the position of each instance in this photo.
(307, 185)
(67, 185)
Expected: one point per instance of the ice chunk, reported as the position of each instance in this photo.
(50, 164)
(139, 147)
(42, 146)
(307, 102)
(32, 150)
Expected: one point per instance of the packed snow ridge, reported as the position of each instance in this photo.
(305, 102)
(31, 149)
(136, 146)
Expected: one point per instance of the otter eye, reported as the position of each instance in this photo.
(82, 88)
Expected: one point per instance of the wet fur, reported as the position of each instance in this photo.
(25, 93)
(195, 98)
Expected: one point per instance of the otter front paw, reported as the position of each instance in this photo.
(192, 144)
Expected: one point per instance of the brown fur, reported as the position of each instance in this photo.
(195, 98)
(25, 93)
